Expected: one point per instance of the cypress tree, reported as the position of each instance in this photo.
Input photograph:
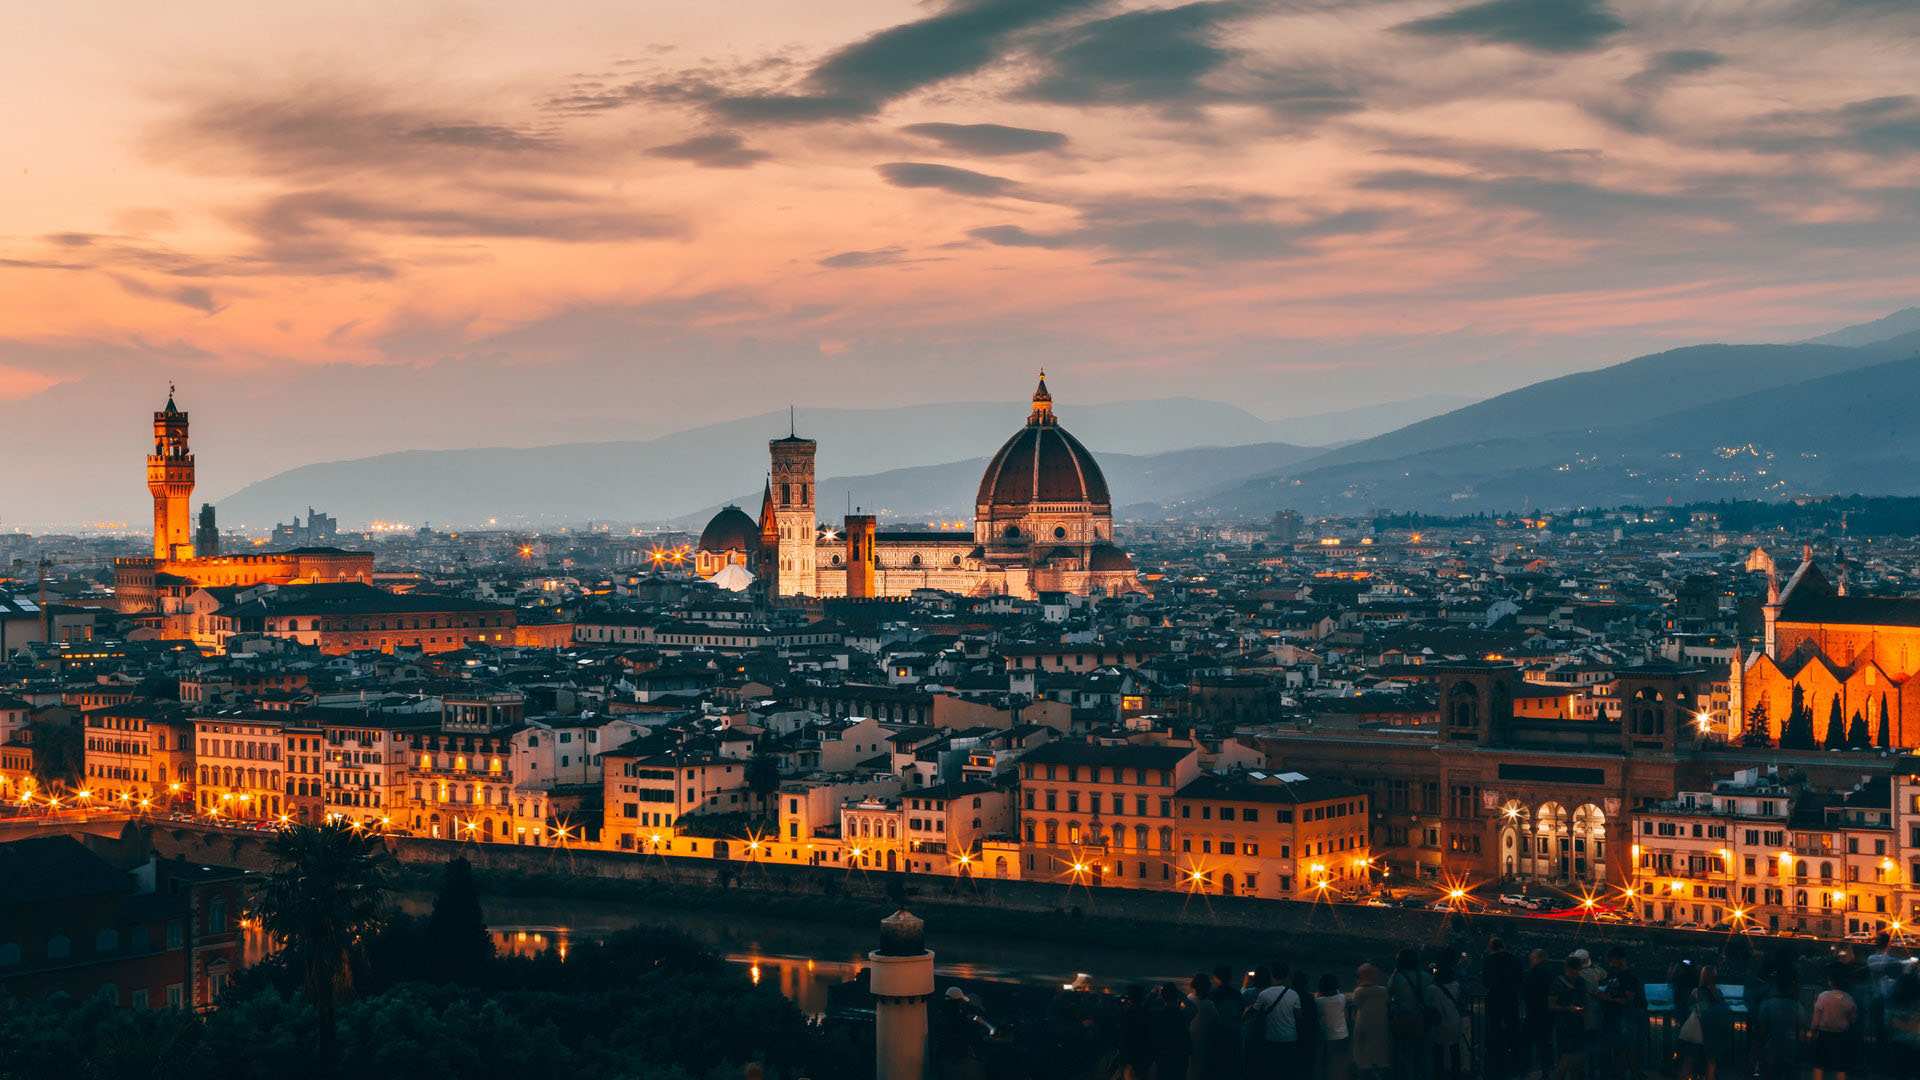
(457, 946)
(1756, 733)
(1836, 726)
(1797, 732)
(1857, 738)
(1886, 729)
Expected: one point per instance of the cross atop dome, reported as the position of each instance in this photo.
(1042, 403)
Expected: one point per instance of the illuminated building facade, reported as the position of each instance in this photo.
(1751, 851)
(1043, 522)
(138, 756)
(1266, 834)
(1487, 793)
(1093, 812)
(1861, 651)
(238, 766)
(174, 570)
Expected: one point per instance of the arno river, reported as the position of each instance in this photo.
(805, 958)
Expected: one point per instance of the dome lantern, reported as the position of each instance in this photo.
(1042, 403)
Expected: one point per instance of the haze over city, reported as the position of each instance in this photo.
(345, 229)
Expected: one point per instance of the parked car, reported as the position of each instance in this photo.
(1521, 901)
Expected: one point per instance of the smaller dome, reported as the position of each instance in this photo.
(1108, 557)
(730, 530)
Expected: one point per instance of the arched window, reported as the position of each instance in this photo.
(1012, 531)
(9, 955)
(59, 948)
(106, 940)
(1826, 871)
(1053, 832)
(1463, 706)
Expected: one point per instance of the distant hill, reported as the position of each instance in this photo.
(676, 475)
(1623, 394)
(1710, 422)
(1904, 321)
(1364, 422)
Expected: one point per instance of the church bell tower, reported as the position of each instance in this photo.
(170, 479)
(792, 490)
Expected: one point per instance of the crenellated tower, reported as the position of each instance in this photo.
(791, 487)
(170, 479)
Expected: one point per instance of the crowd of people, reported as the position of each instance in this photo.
(1441, 1016)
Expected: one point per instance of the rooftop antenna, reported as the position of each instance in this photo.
(792, 430)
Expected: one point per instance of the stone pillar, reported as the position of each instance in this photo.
(901, 979)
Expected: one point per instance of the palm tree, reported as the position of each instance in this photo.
(763, 777)
(325, 895)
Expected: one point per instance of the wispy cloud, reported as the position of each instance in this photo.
(721, 150)
(1555, 26)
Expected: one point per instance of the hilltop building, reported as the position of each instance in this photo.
(175, 569)
(1043, 522)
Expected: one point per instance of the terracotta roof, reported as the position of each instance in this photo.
(1042, 463)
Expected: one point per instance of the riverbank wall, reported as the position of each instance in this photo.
(1210, 926)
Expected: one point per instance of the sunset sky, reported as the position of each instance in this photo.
(351, 227)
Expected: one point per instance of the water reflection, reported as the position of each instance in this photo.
(530, 941)
(839, 953)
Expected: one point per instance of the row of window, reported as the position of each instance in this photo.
(1099, 774)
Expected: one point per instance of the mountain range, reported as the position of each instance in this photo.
(1161, 444)
(1700, 422)
(1705, 422)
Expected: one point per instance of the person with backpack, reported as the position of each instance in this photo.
(1270, 1029)
(1410, 1015)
